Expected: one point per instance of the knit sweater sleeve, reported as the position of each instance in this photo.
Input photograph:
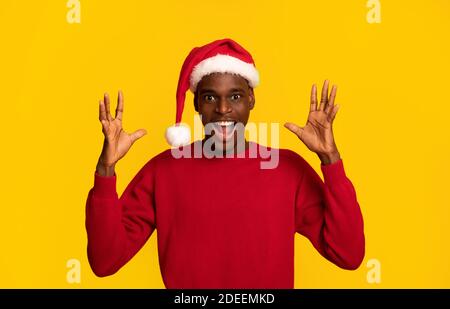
(328, 214)
(118, 227)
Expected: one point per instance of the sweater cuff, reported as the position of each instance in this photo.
(333, 172)
(104, 186)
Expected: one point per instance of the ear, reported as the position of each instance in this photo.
(251, 99)
(196, 101)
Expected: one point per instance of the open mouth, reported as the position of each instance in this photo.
(224, 129)
(225, 123)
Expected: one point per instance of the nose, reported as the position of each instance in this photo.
(223, 107)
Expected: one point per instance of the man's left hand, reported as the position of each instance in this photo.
(317, 134)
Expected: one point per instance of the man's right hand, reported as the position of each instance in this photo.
(117, 142)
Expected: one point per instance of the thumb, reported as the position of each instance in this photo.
(137, 135)
(294, 129)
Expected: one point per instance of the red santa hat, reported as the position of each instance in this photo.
(221, 56)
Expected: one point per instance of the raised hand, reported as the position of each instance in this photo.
(117, 142)
(317, 134)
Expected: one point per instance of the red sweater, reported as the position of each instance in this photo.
(225, 222)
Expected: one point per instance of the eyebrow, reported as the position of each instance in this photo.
(237, 90)
(206, 90)
(213, 91)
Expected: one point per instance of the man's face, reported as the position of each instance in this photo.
(224, 99)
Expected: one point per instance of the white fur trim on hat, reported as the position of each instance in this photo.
(178, 135)
(224, 64)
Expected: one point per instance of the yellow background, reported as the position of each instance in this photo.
(392, 128)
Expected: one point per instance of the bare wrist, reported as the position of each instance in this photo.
(329, 158)
(104, 170)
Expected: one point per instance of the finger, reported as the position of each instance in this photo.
(105, 125)
(101, 111)
(294, 129)
(313, 105)
(137, 135)
(334, 112)
(331, 99)
(108, 113)
(119, 108)
(324, 97)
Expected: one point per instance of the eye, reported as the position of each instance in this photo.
(209, 98)
(235, 97)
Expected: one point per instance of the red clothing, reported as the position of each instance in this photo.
(225, 222)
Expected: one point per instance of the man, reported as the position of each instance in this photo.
(223, 222)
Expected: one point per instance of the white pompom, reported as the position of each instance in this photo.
(178, 135)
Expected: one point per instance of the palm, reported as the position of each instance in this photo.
(117, 142)
(317, 134)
